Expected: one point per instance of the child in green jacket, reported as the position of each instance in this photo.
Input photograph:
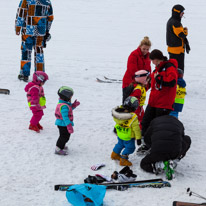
(127, 127)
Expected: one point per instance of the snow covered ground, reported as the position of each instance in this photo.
(94, 39)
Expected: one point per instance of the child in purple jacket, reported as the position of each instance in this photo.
(36, 99)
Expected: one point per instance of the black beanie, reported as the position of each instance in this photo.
(178, 9)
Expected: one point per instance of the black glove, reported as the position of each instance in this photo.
(187, 46)
(139, 141)
(47, 37)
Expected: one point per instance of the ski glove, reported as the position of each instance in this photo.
(97, 166)
(187, 46)
(47, 37)
(70, 128)
(75, 104)
(139, 141)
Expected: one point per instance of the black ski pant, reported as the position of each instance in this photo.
(180, 59)
(150, 114)
(186, 142)
(147, 163)
(64, 136)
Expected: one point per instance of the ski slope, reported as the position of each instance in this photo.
(94, 39)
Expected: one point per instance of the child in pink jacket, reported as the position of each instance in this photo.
(36, 99)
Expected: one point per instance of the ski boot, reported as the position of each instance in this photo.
(124, 161)
(61, 151)
(65, 148)
(169, 170)
(34, 128)
(174, 163)
(124, 175)
(22, 77)
(39, 126)
(115, 156)
(158, 168)
(143, 150)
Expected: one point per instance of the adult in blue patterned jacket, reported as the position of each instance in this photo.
(33, 21)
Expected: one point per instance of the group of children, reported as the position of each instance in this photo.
(128, 117)
(63, 113)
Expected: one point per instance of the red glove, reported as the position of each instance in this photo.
(70, 128)
(75, 104)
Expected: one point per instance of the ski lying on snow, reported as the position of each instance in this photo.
(155, 183)
(107, 81)
(4, 91)
(177, 203)
(115, 80)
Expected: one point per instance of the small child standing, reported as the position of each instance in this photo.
(127, 127)
(139, 91)
(36, 99)
(64, 118)
(180, 94)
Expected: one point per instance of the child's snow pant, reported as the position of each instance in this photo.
(37, 115)
(28, 43)
(128, 146)
(64, 136)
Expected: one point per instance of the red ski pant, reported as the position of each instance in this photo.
(37, 115)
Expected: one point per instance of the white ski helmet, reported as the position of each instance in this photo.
(141, 76)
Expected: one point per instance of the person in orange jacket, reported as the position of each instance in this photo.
(176, 36)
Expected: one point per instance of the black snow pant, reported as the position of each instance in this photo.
(64, 136)
(147, 163)
(186, 142)
(180, 59)
(150, 114)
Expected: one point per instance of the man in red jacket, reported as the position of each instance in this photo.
(138, 60)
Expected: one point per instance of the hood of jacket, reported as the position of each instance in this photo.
(176, 11)
(121, 117)
(65, 102)
(28, 86)
(162, 64)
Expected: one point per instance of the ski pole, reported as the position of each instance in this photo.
(194, 193)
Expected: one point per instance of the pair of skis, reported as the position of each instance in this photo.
(152, 183)
(108, 80)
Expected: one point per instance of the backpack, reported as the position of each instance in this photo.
(86, 195)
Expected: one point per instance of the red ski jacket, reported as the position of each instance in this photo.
(136, 62)
(163, 86)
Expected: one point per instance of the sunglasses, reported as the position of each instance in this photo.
(142, 75)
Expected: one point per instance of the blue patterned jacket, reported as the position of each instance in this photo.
(34, 17)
